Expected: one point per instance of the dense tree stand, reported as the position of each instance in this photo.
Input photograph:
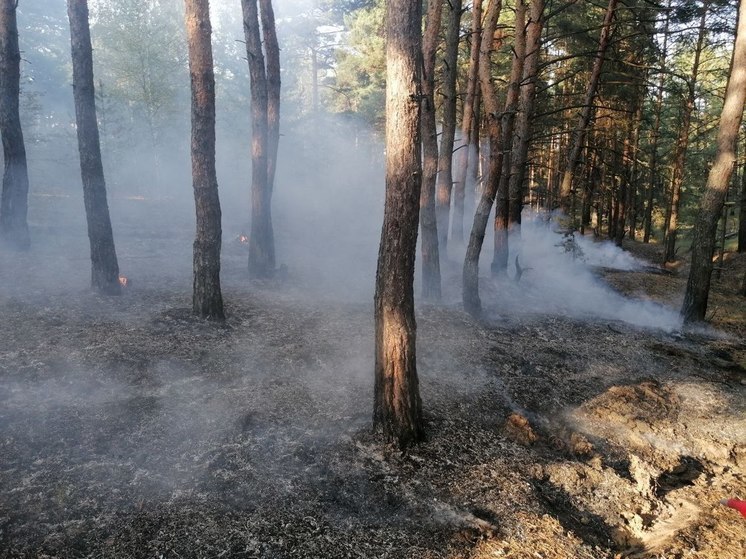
(397, 406)
(14, 205)
(104, 265)
(207, 299)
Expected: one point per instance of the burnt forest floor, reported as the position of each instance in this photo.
(130, 429)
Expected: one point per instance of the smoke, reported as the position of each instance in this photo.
(560, 277)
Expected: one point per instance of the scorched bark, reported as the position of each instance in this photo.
(104, 265)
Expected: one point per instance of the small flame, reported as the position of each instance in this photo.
(243, 239)
(123, 281)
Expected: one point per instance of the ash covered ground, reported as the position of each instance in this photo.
(130, 429)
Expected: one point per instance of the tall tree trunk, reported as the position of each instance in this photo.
(272, 51)
(14, 204)
(521, 137)
(104, 265)
(711, 204)
(207, 298)
(742, 214)
(655, 132)
(470, 278)
(429, 243)
(682, 144)
(467, 125)
(261, 238)
(397, 406)
(448, 131)
(578, 136)
(507, 125)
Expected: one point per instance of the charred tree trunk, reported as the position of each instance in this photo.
(501, 247)
(522, 139)
(429, 242)
(397, 406)
(467, 125)
(682, 144)
(14, 204)
(207, 299)
(263, 150)
(448, 132)
(578, 137)
(711, 205)
(470, 278)
(104, 265)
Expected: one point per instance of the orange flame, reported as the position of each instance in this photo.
(243, 239)
(123, 281)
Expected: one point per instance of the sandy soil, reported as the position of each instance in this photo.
(130, 429)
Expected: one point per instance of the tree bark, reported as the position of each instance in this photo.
(467, 124)
(711, 204)
(263, 151)
(14, 203)
(429, 242)
(470, 277)
(104, 265)
(522, 139)
(207, 299)
(682, 144)
(504, 149)
(578, 137)
(397, 406)
(448, 131)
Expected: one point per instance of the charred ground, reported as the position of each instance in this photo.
(130, 429)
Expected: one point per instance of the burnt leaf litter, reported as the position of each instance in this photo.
(130, 429)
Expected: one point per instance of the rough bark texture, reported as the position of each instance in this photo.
(14, 205)
(507, 125)
(584, 120)
(207, 300)
(682, 144)
(104, 265)
(272, 58)
(467, 124)
(470, 277)
(711, 205)
(522, 132)
(429, 243)
(397, 406)
(261, 239)
(448, 131)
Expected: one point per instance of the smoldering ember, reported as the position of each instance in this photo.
(373, 278)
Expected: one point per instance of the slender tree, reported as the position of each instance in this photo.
(207, 299)
(522, 137)
(655, 131)
(14, 205)
(265, 114)
(428, 223)
(507, 126)
(682, 142)
(104, 265)
(578, 137)
(470, 277)
(397, 406)
(468, 123)
(448, 132)
(711, 204)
